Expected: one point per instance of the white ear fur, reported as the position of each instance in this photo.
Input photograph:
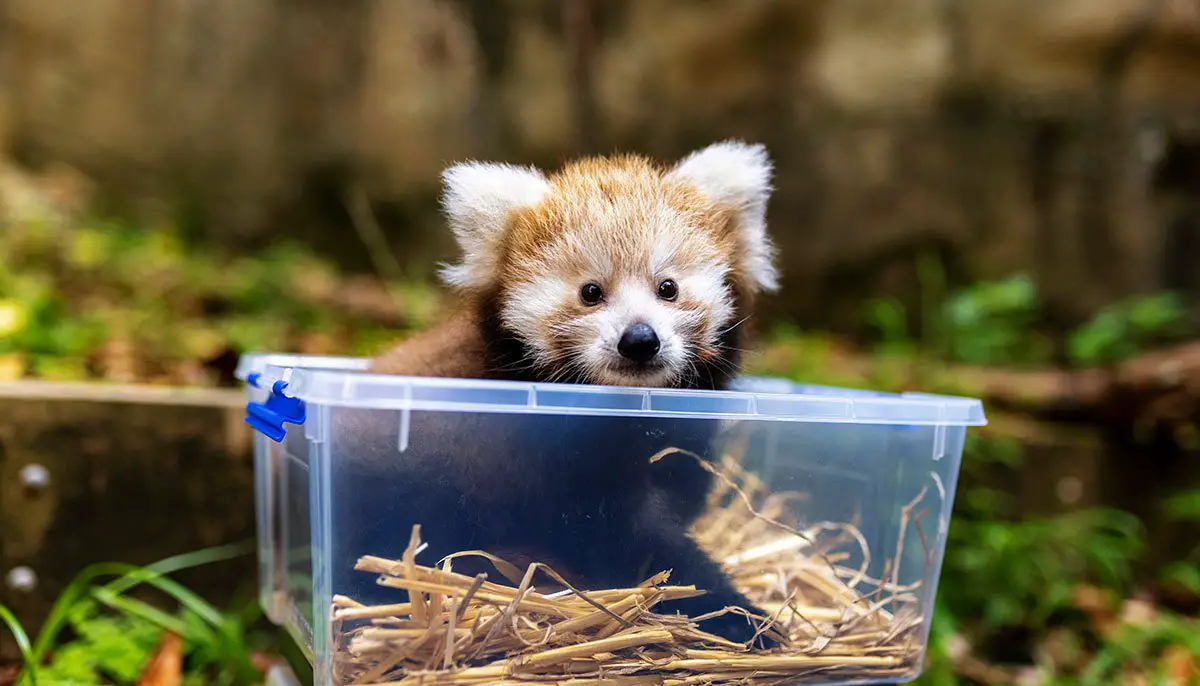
(738, 175)
(478, 200)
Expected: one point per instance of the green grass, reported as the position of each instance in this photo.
(95, 633)
(23, 644)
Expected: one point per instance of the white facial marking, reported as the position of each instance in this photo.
(530, 306)
(707, 284)
(585, 343)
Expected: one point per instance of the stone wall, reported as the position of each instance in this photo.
(1002, 135)
(131, 475)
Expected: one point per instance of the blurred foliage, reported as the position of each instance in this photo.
(996, 323)
(107, 300)
(1185, 507)
(1051, 601)
(1039, 564)
(114, 648)
(111, 301)
(889, 318)
(1122, 329)
(99, 633)
(993, 323)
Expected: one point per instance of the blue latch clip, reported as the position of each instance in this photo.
(268, 418)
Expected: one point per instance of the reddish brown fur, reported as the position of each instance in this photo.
(452, 349)
(618, 186)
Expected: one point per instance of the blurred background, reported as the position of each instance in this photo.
(991, 198)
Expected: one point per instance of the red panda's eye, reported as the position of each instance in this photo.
(667, 290)
(591, 294)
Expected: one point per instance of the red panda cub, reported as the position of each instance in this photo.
(612, 271)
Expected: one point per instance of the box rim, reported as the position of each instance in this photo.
(257, 362)
(340, 380)
(363, 390)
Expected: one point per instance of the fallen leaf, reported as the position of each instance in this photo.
(263, 662)
(1060, 650)
(166, 666)
(1095, 603)
(1137, 612)
(1182, 667)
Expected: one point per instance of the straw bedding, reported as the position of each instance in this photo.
(836, 622)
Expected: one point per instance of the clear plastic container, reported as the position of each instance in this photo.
(269, 469)
(823, 509)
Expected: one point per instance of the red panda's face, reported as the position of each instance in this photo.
(618, 277)
(614, 271)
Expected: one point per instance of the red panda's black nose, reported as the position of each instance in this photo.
(639, 343)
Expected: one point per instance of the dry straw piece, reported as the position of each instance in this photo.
(836, 622)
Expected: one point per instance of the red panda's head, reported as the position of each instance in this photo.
(614, 270)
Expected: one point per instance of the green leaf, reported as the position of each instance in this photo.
(991, 323)
(129, 577)
(1185, 574)
(1156, 313)
(73, 664)
(888, 317)
(149, 613)
(119, 646)
(29, 673)
(1183, 506)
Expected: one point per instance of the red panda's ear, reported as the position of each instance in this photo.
(737, 176)
(479, 199)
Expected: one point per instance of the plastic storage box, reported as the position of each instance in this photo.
(270, 469)
(383, 501)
